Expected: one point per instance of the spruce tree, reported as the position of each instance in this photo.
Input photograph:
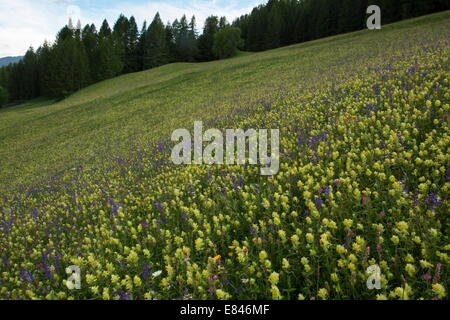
(131, 50)
(206, 40)
(156, 51)
(108, 56)
(90, 41)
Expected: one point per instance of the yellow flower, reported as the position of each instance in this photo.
(262, 256)
(199, 244)
(276, 295)
(137, 281)
(105, 295)
(348, 223)
(114, 278)
(322, 293)
(395, 239)
(341, 249)
(295, 240)
(94, 290)
(402, 226)
(274, 278)
(222, 295)
(439, 290)
(410, 269)
(285, 263)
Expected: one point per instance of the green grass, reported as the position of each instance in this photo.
(363, 180)
(39, 136)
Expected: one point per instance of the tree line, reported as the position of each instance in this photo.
(285, 22)
(82, 56)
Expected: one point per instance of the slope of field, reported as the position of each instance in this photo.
(364, 177)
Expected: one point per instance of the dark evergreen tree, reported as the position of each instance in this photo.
(185, 39)
(206, 40)
(90, 41)
(171, 45)
(156, 50)
(45, 56)
(3, 96)
(120, 39)
(141, 46)
(257, 29)
(131, 50)
(30, 77)
(272, 36)
(108, 56)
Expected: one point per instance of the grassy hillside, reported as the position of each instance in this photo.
(364, 177)
(42, 136)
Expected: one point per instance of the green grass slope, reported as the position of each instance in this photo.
(40, 136)
(364, 178)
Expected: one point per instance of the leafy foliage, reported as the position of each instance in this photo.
(227, 41)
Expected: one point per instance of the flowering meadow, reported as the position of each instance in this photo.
(364, 178)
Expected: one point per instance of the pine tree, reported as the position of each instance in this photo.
(131, 50)
(3, 96)
(272, 36)
(206, 40)
(141, 46)
(120, 38)
(257, 29)
(30, 76)
(108, 57)
(223, 23)
(45, 57)
(156, 53)
(170, 40)
(185, 39)
(89, 37)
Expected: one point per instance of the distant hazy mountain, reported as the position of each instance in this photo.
(8, 60)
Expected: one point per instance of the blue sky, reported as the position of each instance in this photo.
(25, 23)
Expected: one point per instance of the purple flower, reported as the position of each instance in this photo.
(318, 203)
(25, 274)
(146, 271)
(122, 295)
(379, 248)
(115, 208)
(433, 201)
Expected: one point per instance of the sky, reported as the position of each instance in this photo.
(25, 23)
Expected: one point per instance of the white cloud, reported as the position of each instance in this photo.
(25, 23)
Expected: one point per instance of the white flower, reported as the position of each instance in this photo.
(157, 273)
